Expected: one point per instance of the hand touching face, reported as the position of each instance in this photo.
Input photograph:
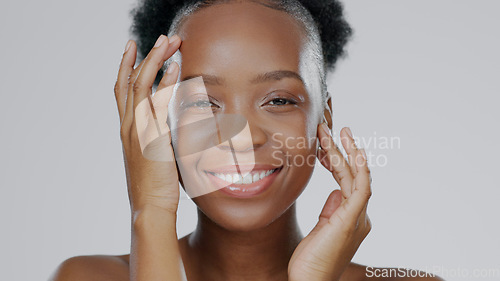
(343, 223)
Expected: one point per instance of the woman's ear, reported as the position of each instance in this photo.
(327, 113)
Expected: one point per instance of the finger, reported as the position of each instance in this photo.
(350, 147)
(174, 44)
(351, 209)
(362, 179)
(325, 161)
(337, 164)
(126, 68)
(153, 63)
(332, 203)
(145, 124)
(170, 77)
(128, 116)
(138, 71)
(361, 188)
(150, 115)
(163, 95)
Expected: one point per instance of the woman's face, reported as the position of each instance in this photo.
(250, 108)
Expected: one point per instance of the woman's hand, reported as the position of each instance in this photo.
(153, 184)
(151, 181)
(343, 223)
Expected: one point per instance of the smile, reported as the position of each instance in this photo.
(252, 177)
(252, 184)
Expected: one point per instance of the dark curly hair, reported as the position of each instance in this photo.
(325, 18)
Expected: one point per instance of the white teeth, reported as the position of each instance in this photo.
(255, 177)
(236, 178)
(249, 178)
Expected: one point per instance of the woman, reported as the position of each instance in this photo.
(251, 102)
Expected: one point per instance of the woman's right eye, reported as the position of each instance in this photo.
(202, 105)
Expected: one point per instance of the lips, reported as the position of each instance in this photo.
(243, 181)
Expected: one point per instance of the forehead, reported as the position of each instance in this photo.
(240, 38)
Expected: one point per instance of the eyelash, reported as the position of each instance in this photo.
(205, 103)
(197, 103)
(287, 101)
(202, 104)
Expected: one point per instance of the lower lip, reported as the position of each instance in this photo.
(244, 190)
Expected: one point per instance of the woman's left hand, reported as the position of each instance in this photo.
(343, 224)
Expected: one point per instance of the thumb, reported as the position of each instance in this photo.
(332, 203)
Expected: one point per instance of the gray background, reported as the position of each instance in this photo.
(421, 71)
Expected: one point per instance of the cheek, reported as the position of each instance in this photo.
(192, 138)
(296, 145)
(298, 134)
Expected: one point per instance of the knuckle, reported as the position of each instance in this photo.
(367, 230)
(367, 169)
(118, 89)
(138, 85)
(130, 82)
(342, 174)
(368, 227)
(368, 193)
(123, 132)
(133, 76)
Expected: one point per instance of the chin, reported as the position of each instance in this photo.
(241, 216)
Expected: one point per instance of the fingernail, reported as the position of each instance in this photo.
(174, 38)
(171, 68)
(325, 128)
(160, 40)
(129, 43)
(348, 131)
(363, 153)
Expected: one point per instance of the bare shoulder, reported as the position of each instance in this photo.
(360, 272)
(93, 267)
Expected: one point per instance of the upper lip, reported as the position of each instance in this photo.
(243, 168)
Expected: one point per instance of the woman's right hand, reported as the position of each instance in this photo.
(152, 179)
(149, 162)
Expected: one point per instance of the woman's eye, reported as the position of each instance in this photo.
(202, 105)
(281, 101)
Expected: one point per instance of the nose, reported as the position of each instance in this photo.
(250, 138)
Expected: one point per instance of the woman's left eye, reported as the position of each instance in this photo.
(281, 101)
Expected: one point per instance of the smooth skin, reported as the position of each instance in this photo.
(235, 240)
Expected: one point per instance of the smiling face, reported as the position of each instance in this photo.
(249, 57)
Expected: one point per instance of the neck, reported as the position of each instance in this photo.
(261, 254)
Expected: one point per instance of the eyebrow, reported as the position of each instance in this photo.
(261, 78)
